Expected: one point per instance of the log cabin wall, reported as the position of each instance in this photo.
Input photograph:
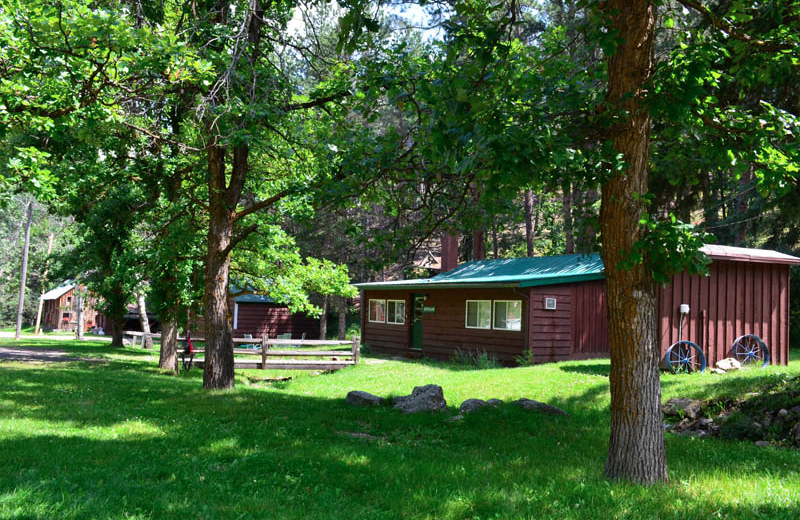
(273, 319)
(444, 332)
(737, 298)
(387, 338)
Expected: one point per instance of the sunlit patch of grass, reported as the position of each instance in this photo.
(120, 440)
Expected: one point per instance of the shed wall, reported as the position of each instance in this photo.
(272, 319)
(388, 338)
(737, 298)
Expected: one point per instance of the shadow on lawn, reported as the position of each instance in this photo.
(133, 444)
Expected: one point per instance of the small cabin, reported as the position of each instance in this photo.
(60, 309)
(257, 315)
(555, 307)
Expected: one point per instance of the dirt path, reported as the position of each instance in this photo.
(54, 337)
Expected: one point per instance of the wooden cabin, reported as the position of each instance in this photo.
(258, 314)
(60, 312)
(555, 307)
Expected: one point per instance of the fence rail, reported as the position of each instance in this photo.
(281, 359)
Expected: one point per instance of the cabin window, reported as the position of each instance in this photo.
(377, 311)
(508, 314)
(396, 312)
(479, 314)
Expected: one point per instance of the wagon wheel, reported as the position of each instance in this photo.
(750, 349)
(684, 357)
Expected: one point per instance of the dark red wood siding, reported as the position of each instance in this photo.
(444, 332)
(272, 319)
(737, 298)
(551, 331)
(590, 320)
(386, 337)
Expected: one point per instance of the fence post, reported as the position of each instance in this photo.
(356, 349)
(264, 348)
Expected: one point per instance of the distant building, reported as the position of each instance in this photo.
(60, 309)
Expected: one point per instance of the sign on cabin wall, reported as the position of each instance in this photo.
(429, 309)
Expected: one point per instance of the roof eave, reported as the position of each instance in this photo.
(558, 280)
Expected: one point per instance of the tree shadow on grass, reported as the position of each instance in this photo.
(593, 368)
(110, 441)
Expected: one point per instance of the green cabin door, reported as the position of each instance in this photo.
(417, 309)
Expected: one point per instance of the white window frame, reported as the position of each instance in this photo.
(494, 314)
(402, 317)
(369, 310)
(466, 314)
(235, 315)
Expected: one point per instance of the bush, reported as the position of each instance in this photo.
(479, 359)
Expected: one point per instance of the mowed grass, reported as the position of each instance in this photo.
(117, 439)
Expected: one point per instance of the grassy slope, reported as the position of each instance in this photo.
(119, 440)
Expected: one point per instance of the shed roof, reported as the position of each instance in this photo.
(553, 270)
(744, 254)
(511, 272)
(58, 292)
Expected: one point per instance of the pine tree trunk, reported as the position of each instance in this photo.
(147, 339)
(168, 354)
(218, 366)
(342, 320)
(568, 220)
(323, 319)
(636, 448)
(527, 198)
(24, 274)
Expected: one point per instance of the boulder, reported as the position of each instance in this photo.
(361, 398)
(795, 410)
(494, 402)
(729, 364)
(763, 444)
(705, 422)
(682, 406)
(683, 425)
(426, 398)
(470, 405)
(530, 404)
(783, 413)
(795, 434)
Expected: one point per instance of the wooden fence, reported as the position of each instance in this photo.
(271, 359)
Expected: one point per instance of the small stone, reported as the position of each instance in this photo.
(470, 405)
(795, 410)
(705, 422)
(682, 406)
(729, 364)
(494, 402)
(716, 370)
(713, 429)
(530, 404)
(783, 413)
(667, 426)
(456, 418)
(683, 425)
(361, 398)
(762, 444)
(795, 434)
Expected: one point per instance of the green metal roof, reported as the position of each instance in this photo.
(512, 272)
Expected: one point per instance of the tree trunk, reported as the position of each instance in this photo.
(79, 305)
(569, 234)
(218, 367)
(118, 327)
(527, 199)
(478, 251)
(342, 320)
(636, 448)
(168, 354)
(740, 235)
(323, 319)
(44, 284)
(23, 279)
(147, 339)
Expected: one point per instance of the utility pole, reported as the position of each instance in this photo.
(24, 276)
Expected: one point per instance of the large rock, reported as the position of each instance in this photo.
(729, 364)
(470, 405)
(426, 398)
(494, 402)
(795, 434)
(682, 406)
(530, 404)
(361, 398)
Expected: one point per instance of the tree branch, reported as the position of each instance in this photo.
(728, 28)
(258, 206)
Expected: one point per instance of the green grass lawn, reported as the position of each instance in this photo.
(117, 439)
